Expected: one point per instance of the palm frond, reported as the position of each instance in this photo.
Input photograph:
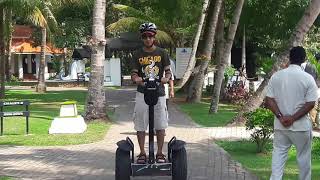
(187, 30)
(20, 7)
(46, 9)
(131, 24)
(164, 38)
(65, 2)
(132, 12)
(127, 24)
(36, 17)
(59, 3)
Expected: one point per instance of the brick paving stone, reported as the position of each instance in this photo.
(206, 160)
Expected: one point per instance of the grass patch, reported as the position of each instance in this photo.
(17, 83)
(43, 108)
(199, 113)
(5, 178)
(260, 164)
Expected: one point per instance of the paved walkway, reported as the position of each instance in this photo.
(206, 161)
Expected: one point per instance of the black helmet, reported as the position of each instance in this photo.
(148, 27)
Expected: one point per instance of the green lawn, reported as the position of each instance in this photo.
(260, 164)
(199, 113)
(5, 178)
(43, 108)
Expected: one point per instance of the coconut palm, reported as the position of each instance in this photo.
(96, 100)
(303, 26)
(174, 18)
(38, 13)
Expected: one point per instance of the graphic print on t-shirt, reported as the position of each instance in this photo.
(149, 66)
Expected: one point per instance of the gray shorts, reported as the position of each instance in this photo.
(141, 114)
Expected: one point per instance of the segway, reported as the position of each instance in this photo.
(177, 156)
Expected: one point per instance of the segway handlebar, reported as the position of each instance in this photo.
(151, 80)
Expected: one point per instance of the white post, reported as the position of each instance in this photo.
(46, 74)
(29, 64)
(37, 59)
(20, 67)
(243, 57)
(13, 63)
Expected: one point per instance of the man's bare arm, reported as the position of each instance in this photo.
(272, 105)
(167, 75)
(303, 111)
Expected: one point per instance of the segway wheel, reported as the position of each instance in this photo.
(179, 164)
(123, 165)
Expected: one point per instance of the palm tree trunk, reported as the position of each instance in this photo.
(243, 52)
(96, 100)
(220, 43)
(2, 51)
(9, 29)
(303, 26)
(195, 93)
(318, 115)
(222, 65)
(192, 61)
(41, 73)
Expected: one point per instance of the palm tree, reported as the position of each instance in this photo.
(192, 60)
(8, 40)
(24, 9)
(223, 61)
(2, 62)
(174, 18)
(131, 24)
(38, 13)
(195, 89)
(310, 15)
(51, 23)
(96, 100)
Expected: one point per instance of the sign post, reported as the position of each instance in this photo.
(25, 113)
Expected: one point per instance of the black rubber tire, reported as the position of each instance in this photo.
(179, 165)
(123, 165)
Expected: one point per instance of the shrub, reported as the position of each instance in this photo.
(316, 148)
(209, 89)
(14, 78)
(261, 122)
(237, 94)
(88, 69)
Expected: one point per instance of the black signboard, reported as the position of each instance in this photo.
(25, 113)
(14, 103)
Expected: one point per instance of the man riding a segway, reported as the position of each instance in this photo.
(147, 62)
(151, 70)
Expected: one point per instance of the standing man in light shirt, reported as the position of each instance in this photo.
(291, 94)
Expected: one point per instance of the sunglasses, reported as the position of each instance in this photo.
(145, 36)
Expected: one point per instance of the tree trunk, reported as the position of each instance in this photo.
(9, 31)
(303, 26)
(192, 61)
(222, 65)
(2, 51)
(41, 88)
(220, 42)
(96, 100)
(195, 93)
(243, 52)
